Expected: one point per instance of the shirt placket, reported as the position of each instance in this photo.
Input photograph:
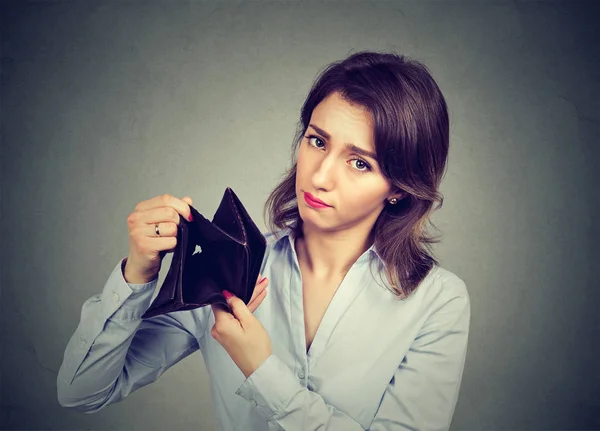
(297, 317)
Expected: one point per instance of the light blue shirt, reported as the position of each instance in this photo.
(375, 363)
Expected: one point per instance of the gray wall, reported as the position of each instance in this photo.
(105, 104)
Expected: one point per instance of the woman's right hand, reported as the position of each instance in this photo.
(146, 248)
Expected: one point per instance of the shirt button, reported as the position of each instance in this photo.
(253, 401)
(301, 373)
(115, 296)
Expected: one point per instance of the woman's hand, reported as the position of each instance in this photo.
(241, 334)
(146, 247)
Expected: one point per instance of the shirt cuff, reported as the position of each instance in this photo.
(124, 301)
(271, 386)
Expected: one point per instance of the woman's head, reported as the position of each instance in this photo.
(336, 162)
(388, 105)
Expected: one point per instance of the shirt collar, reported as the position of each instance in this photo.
(286, 235)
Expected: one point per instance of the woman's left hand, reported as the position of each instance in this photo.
(241, 334)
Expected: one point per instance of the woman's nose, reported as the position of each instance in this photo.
(324, 176)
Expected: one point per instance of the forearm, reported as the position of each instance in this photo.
(96, 354)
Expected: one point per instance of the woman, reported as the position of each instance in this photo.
(362, 329)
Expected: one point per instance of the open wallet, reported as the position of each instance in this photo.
(225, 254)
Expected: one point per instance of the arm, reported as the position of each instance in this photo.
(113, 352)
(421, 395)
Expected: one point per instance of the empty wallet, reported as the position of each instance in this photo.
(209, 257)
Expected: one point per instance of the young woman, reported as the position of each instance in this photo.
(362, 329)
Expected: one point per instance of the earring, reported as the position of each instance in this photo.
(393, 201)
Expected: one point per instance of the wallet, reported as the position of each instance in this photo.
(225, 254)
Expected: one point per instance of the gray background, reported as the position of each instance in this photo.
(105, 104)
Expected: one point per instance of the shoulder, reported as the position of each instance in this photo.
(442, 288)
(450, 283)
(443, 303)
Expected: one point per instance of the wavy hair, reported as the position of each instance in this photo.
(411, 130)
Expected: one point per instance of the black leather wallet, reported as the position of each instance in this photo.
(209, 257)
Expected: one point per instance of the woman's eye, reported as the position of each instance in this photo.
(313, 140)
(361, 165)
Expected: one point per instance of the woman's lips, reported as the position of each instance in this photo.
(314, 202)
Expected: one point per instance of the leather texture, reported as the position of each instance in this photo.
(209, 257)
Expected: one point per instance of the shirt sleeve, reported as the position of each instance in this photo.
(422, 394)
(114, 352)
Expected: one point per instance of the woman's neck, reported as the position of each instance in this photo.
(329, 256)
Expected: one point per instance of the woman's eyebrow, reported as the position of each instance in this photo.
(349, 146)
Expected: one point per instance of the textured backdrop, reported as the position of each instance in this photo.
(108, 103)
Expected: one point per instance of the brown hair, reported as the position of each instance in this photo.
(411, 127)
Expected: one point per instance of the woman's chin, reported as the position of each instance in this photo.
(312, 221)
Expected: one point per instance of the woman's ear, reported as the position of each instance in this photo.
(399, 194)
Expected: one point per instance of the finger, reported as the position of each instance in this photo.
(165, 229)
(225, 322)
(221, 313)
(187, 200)
(238, 308)
(159, 215)
(259, 287)
(148, 245)
(257, 301)
(166, 200)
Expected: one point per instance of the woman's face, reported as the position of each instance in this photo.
(333, 165)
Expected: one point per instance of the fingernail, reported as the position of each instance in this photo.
(262, 279)
(191, 218)
(227, 294)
